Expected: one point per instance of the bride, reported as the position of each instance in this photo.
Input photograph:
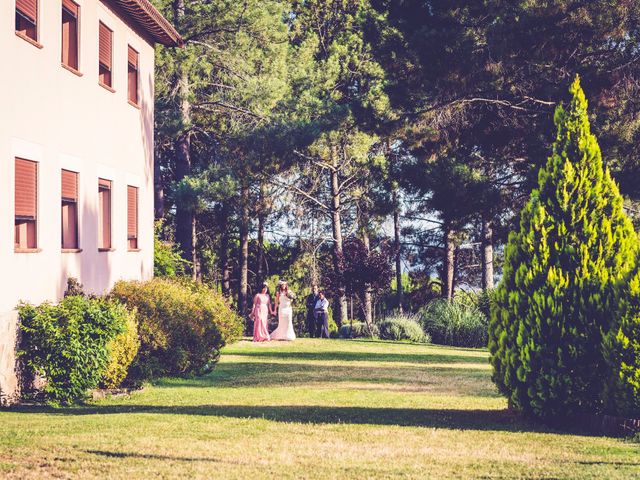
(285, 313)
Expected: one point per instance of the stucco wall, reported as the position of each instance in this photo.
(61, 120)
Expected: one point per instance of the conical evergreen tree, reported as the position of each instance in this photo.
(557, 298)
(622, 350)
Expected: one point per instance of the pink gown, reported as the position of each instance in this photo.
(260, 315)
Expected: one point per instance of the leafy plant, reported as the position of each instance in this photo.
(559, 292)
(458, 322)
(167, 259)
(403, 327)
(122, 351)
(182, 326)
(67, 344)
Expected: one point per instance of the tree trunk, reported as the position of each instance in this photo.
(367, 298)
(398, 246)
(185, 219)
(260, 270)
(340, 303)
(158, 188)
(243, 284)
(448, 264)
(225, 270)
(487, 253)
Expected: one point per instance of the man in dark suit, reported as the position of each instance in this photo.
(322, 316)
(311, 300)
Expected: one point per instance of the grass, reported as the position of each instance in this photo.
(310, 409)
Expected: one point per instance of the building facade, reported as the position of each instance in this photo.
(76, 150)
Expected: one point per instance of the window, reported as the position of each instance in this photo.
(132, 217)
(69, 210)
(105, 40)
(26, 187)
(104, 214)
(27, 18)
(133, 75)
(70, 34)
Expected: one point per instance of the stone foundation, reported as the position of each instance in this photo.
(8, 378)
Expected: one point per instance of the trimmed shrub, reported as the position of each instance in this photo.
(457, 323)
(403, 327)
(182, 326)
(67, 345)
(360, 330)
(558, 296)
(122, 351)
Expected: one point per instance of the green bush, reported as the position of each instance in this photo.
(182, 326)
(359, 330)
(458, 323)
(167, 260)
(558, 300)
(122, 351)
(403, 327)
(67, 344)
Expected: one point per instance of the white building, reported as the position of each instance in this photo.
(76, 150)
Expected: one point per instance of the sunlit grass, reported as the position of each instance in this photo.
(310, 409)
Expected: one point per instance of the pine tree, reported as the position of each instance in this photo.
(558, 295)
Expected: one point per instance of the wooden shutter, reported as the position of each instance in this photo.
(69, 185)
(132, 212)
(102, 183)
(133, 57)
(26, 188)
(70, 6)
(105, 41)
(29, 8)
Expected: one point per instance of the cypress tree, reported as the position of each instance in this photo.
(558, 297)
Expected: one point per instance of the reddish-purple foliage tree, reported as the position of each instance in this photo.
(360, 270)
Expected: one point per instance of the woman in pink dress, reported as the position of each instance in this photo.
(260, 315)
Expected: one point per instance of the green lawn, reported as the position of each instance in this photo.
(310, 409)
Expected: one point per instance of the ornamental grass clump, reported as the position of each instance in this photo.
(559, 297)
(403, 327)
(455, 322)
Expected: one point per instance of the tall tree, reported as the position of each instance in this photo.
(558, 295)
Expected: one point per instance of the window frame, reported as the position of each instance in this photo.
(102, 218)
(131, 67)
(19, 14)
(135, 245)
(67, 201)
(76, 16)
(101, 65)
(26, 220)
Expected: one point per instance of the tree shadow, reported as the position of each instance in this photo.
(260, 375)
(337, 355)
(452, 419)
(151, 456)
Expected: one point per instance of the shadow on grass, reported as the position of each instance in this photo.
(264, 374)
(150, 456)
(336, 355)
(452, 419)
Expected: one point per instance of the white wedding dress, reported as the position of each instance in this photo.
(285, 321)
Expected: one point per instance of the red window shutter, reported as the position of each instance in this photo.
(70, 185)
(105, 42)
(132, 57)
(70, 6)
(29, 8)
(102, 183)
(26, 188)
(132, 212)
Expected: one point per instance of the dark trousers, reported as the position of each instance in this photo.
(311, 323)
(322, 324)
